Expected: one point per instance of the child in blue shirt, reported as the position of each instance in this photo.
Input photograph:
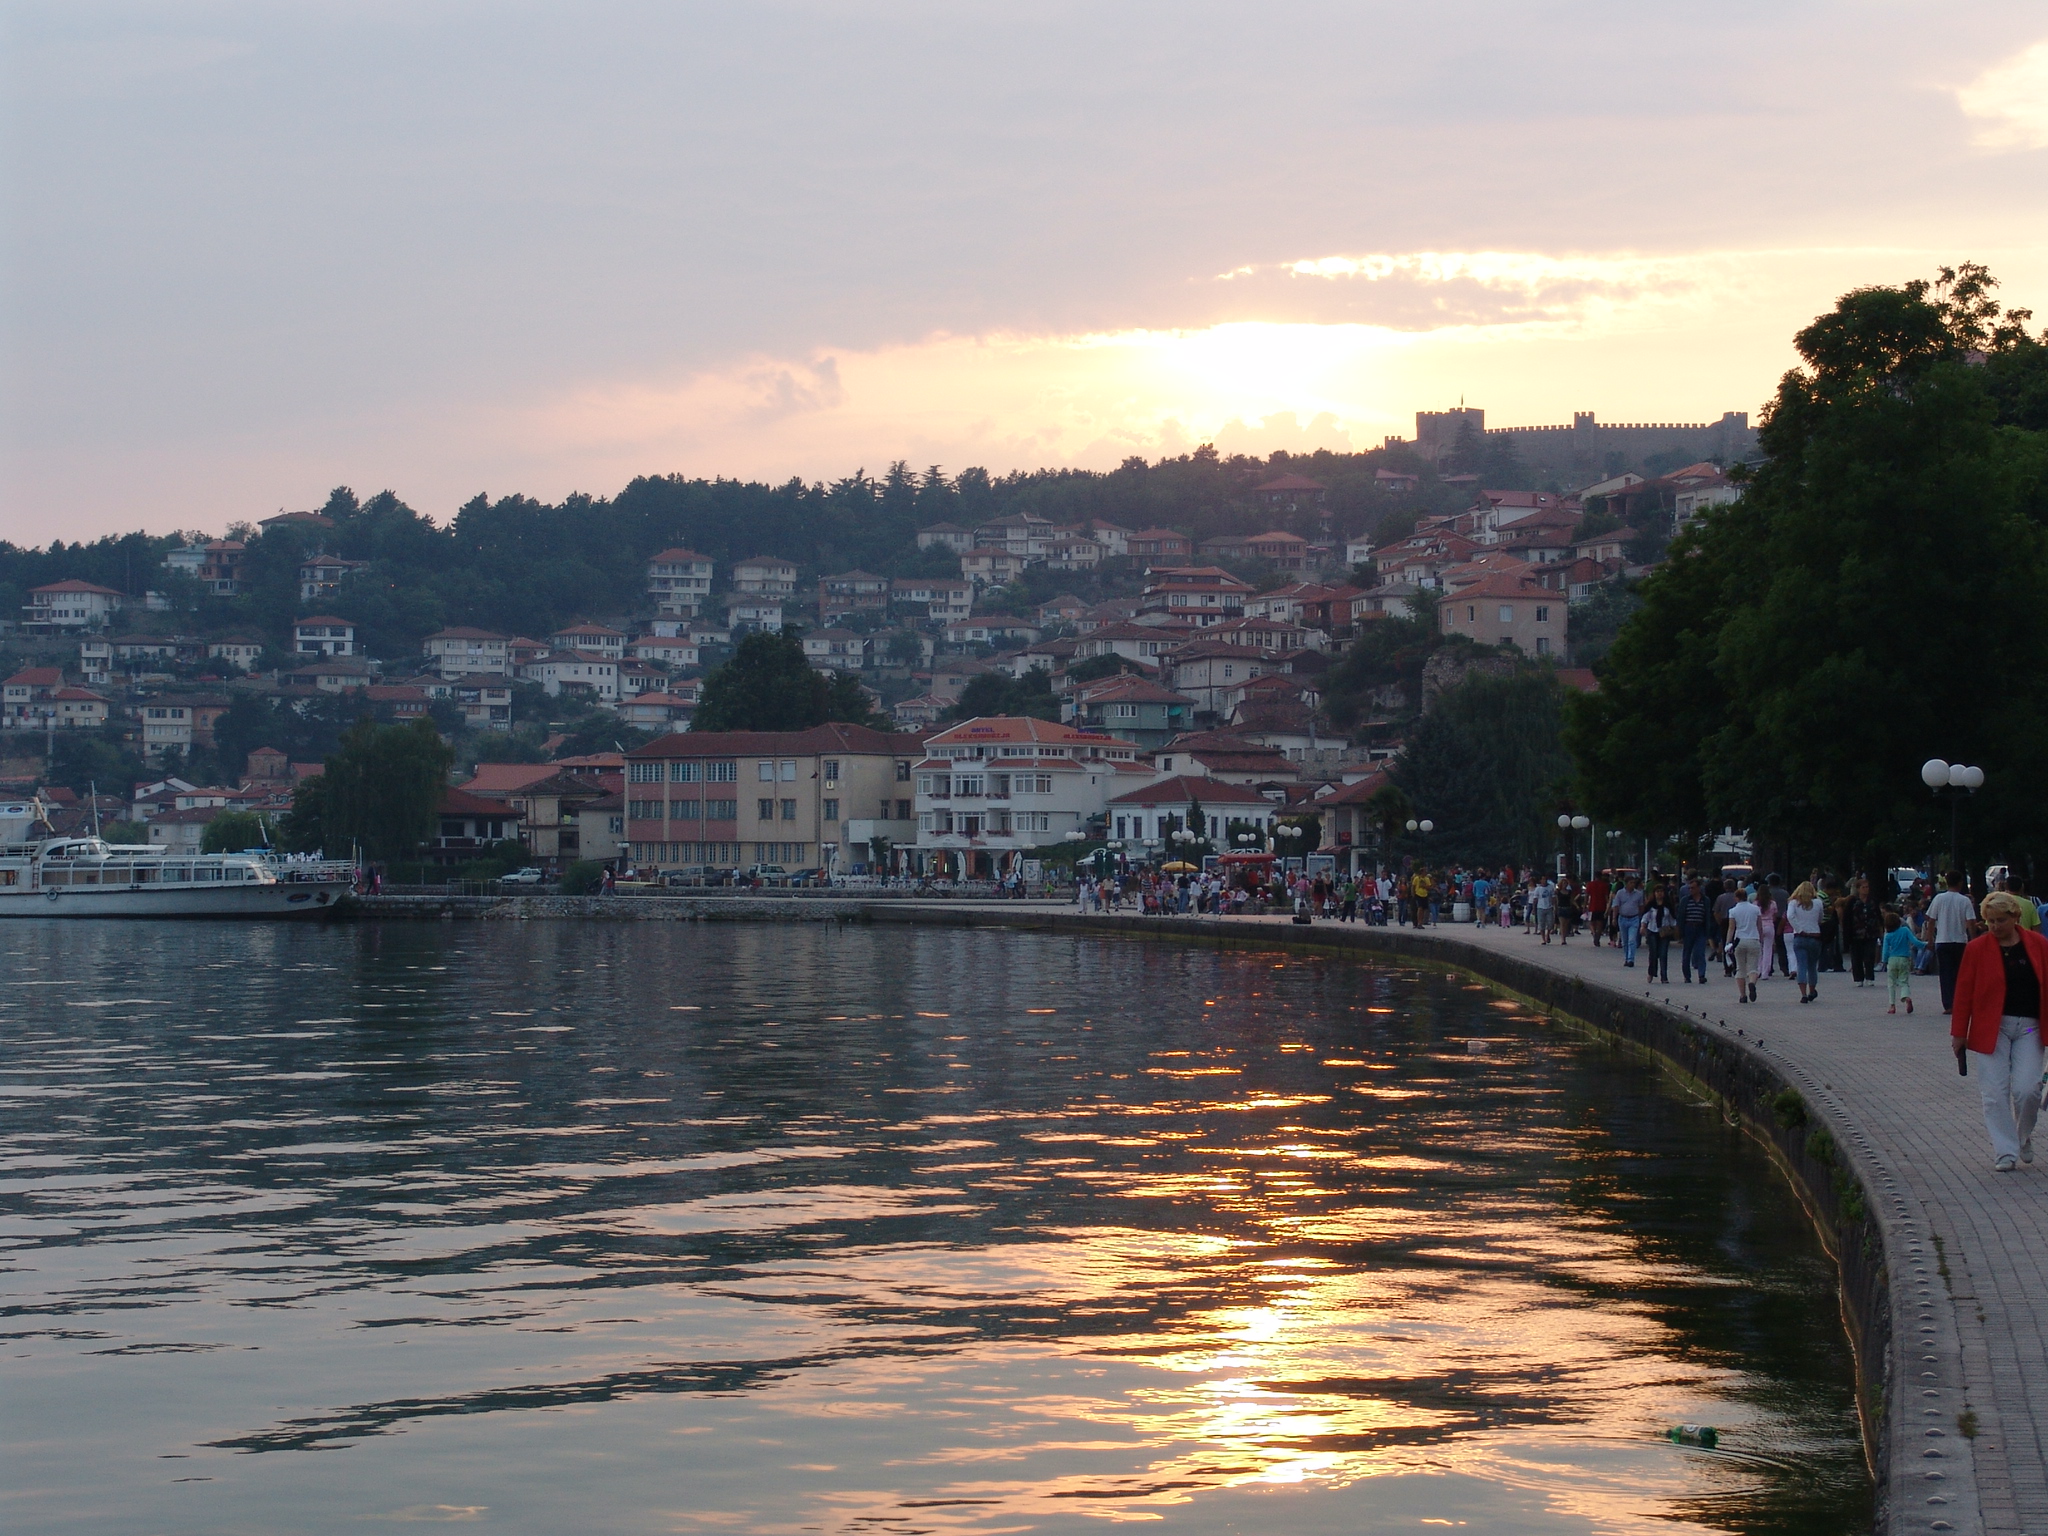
(1899, 948)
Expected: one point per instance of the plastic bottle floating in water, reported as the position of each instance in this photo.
(1693, 1434)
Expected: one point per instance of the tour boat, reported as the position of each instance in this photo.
(44, 875)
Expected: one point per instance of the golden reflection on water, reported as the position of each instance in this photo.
(1308, 1261)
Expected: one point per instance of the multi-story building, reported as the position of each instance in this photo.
(946, 536)
(991, 790)
(323, 635)
(679, 581)
(993, 567)
(730, 799)
(849, 593)
(765, 576)
(940, 600)
(836, 650)
(221, 572)
(70, 605)
(1130, 708)
(241, 652)
(1191, 803)
(595, 639)
(485, 706)
(462, 652)
(1206, 594)
(321, 576)
(1159, 546)
(746, 614)
(1506, 610)
(576, 672)
(669, 650)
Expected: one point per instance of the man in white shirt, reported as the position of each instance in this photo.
(1951, 913)
(1745, 921)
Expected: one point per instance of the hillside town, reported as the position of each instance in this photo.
(1178, 684)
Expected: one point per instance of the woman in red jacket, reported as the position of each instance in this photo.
(2001, 992)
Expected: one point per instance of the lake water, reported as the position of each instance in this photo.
(562, 1227)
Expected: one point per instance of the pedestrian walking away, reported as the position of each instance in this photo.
(1997, 1020)
(1803, 916)
(1952, 913)
(1745, 920)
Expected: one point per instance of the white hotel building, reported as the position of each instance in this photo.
(990, 790)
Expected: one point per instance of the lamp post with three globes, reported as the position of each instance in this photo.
(1959, 780)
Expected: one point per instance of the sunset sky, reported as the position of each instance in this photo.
(253, 251)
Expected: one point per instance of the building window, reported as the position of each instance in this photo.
(788, 772)
(685, 810)
(1471, 614)
(903, 810)
(722, 773)
(902, 772)
(640, 810)
(1507, 613)
(645, 773)
(765, 810)
(831, 770)
(831, 810)
(1542, 615)
(789, 810)
(721, 810)
(1543, 645)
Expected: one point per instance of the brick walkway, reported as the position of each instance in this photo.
(1974, 1339)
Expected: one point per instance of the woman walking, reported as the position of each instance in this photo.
(1997, 1019)
(1804, 915)
(1865, 926)
(1659, 924)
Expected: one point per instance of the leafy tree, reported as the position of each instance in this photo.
(992, 693)
(83, 758)
(770, 686)
(234, 831)
(304, 827)
(582, 877)
(1487, 764)
(383, 786)
(1807, 647)
(124, 831)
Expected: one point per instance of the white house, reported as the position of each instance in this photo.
(462, 652)
(241, 652)
(746, 614)
(582, 672)
(1154, 812)
(765, 576)
(594, 638)
(71, 605)
(836, 650)
(673, 650)
(323, 635)
(989, 790)
(679, 581)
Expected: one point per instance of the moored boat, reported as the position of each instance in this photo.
(86, 877)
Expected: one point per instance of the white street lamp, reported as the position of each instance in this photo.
(1934, 773)
(1428, 825)
(1937, 776)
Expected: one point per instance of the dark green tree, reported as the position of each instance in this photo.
(234, 831)
(383, 786)
(1805, 649)
(82, 759)
(992, 693)
(304, 827)
(1486, 764)
(770, 686)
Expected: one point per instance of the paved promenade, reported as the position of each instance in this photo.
(1975, 1340)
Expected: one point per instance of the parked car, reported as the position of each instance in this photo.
(817, 876)
(769, 874)
(527, 876)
